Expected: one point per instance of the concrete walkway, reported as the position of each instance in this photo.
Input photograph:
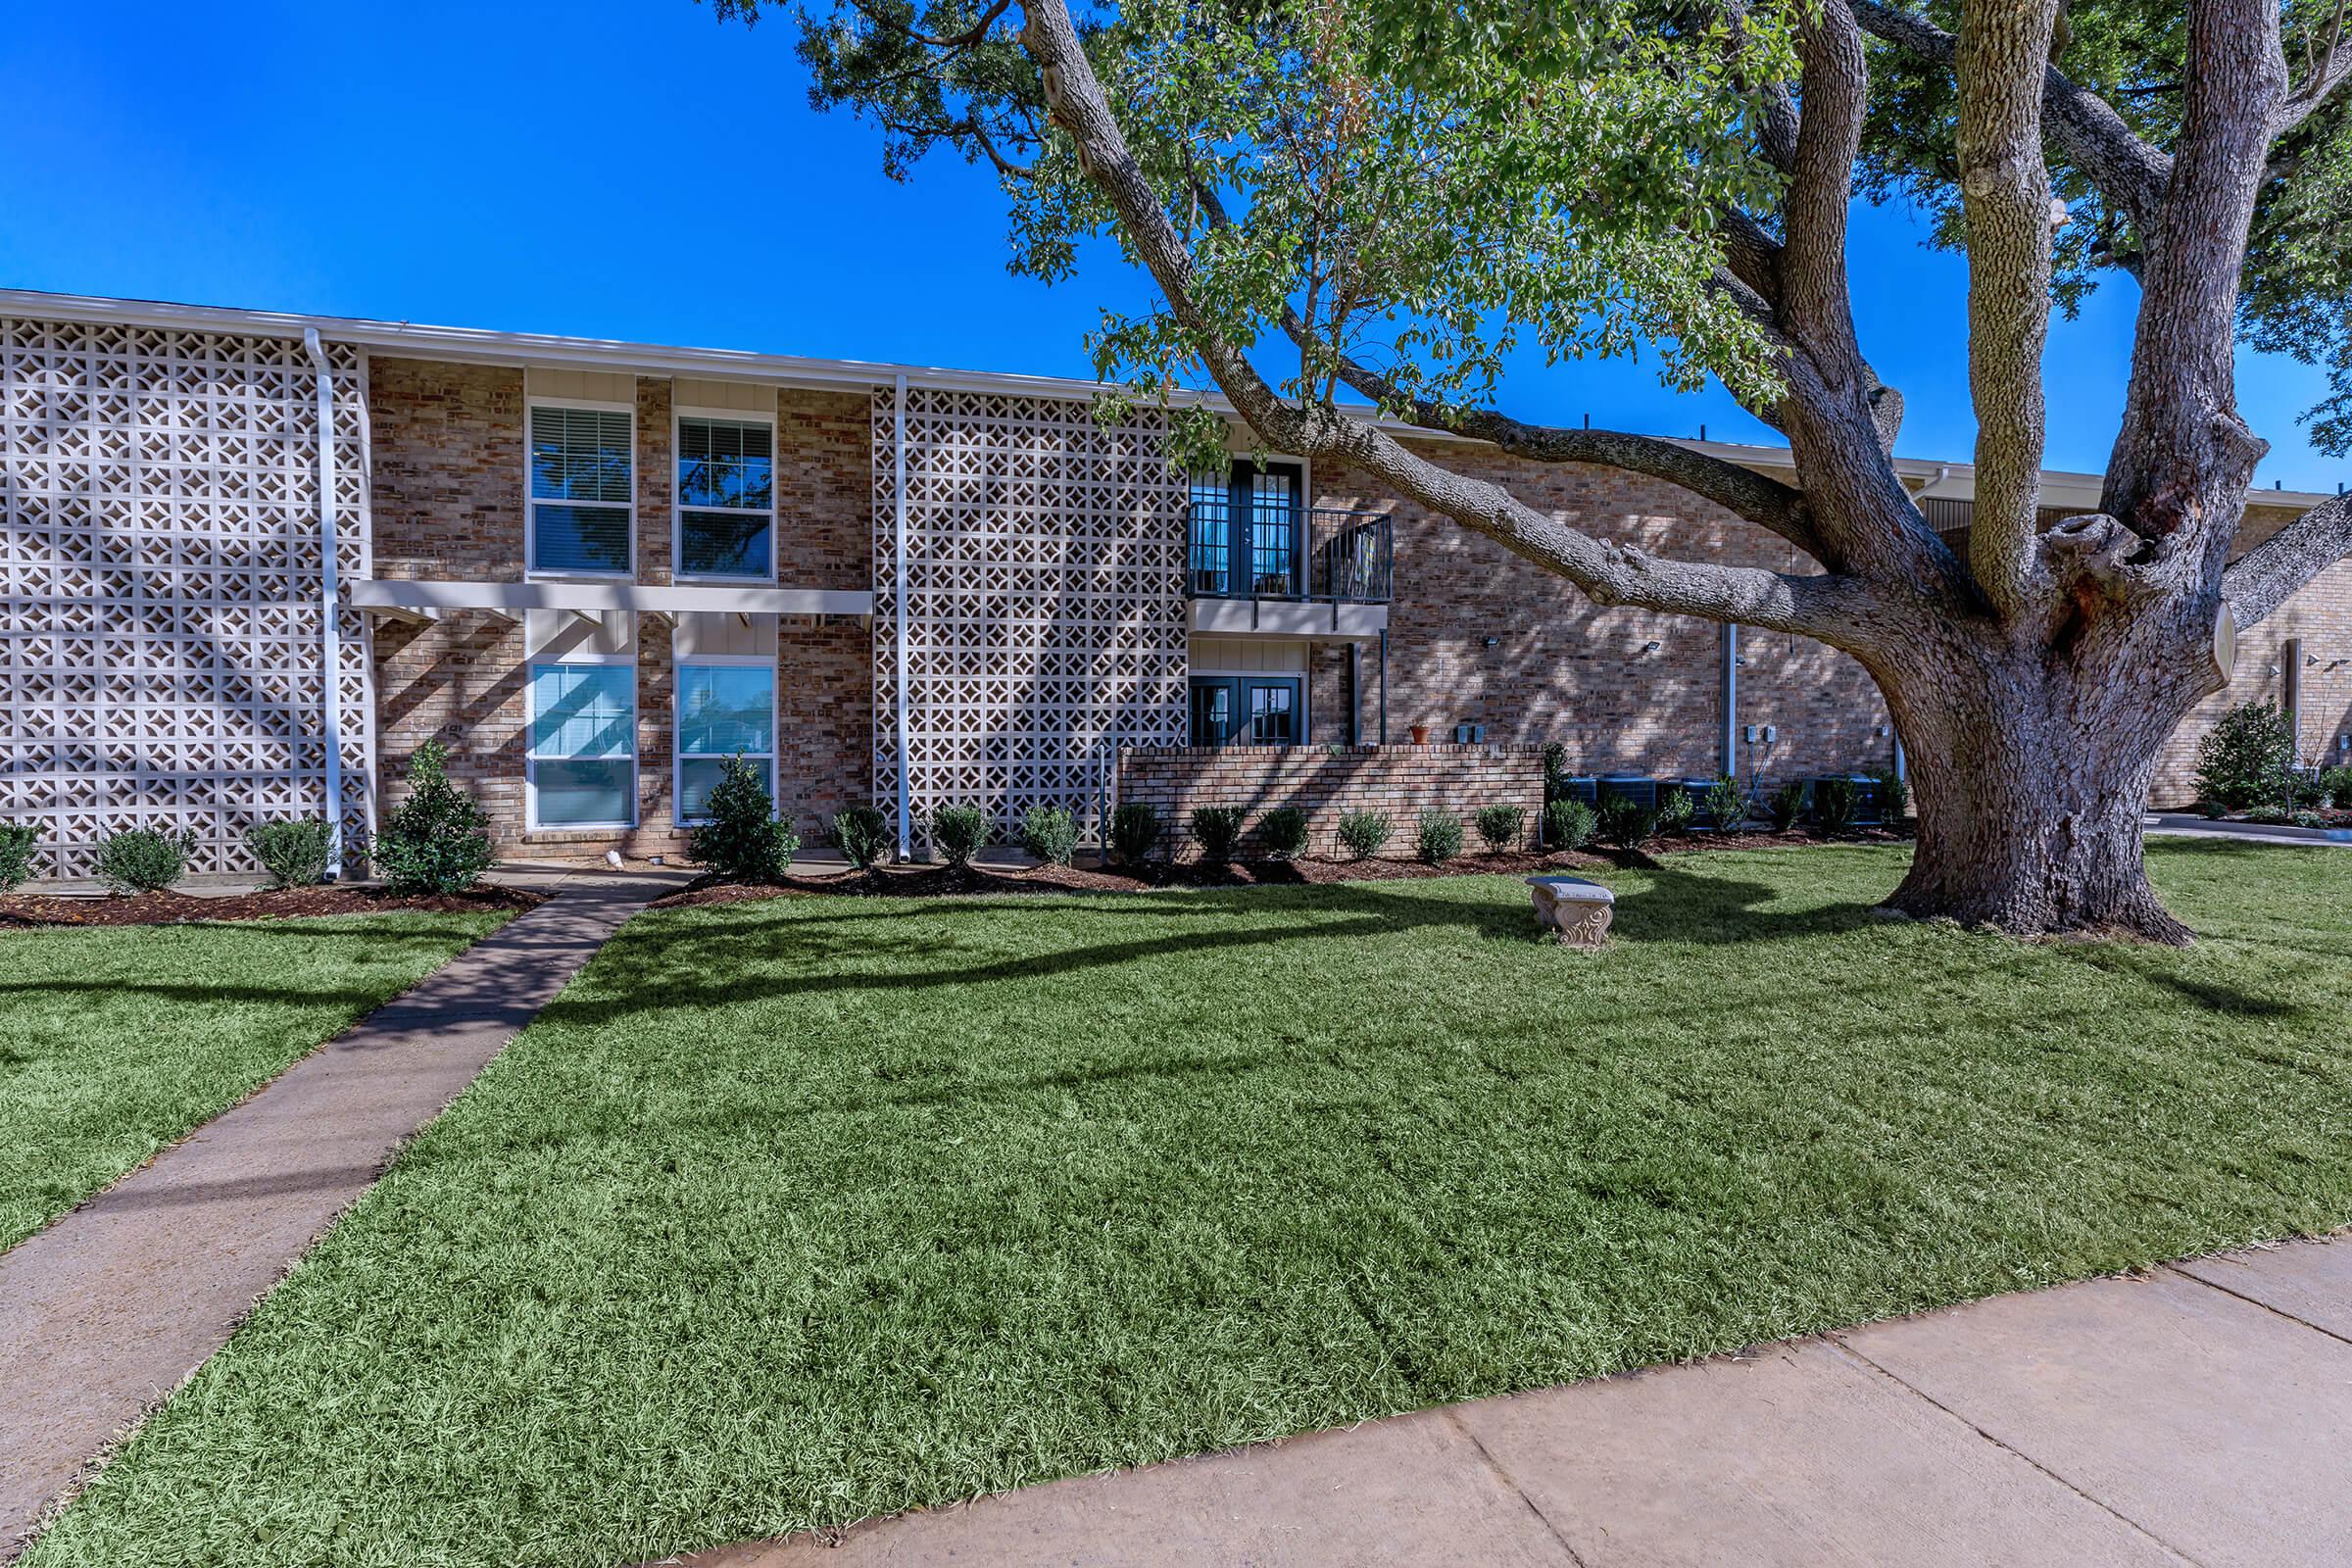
(111, 1307)
(2202, 1415)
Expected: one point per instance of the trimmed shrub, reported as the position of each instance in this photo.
(1556, 770)
(1676, 807)
(438, 841)
(1363, 834)
(1283, 830)
(959, 831)
(1218, 829)
(1783, 806)
(1569, 824)
(862, 834)
(1894, 797)
(16, 839)
(1727, 807)
(1835, 805)
(140, 860)
(292, 852)
(2248, 757)
(1441, 837)
(1134, 829)
(2337, 782)
(1499, 825)
(1051, 833)
(1624, 821)
(743, 842)
(2306, 789)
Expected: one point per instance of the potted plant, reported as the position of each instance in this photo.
(1420, 734)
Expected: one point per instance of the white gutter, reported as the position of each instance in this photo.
(899, 475)
(508, 598)
(331, 638)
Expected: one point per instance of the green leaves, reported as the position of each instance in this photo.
(1428, 188)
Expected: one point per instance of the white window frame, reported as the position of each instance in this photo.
(530, 503)
(531, 750)
(677, 504)
(677, 731)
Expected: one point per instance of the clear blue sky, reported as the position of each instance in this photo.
(629, 168)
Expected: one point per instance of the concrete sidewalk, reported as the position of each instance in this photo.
(2201, 1415)
(112, 1307)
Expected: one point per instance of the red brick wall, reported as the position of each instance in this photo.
(1400, 780)
(1564, 668)
(449, 504)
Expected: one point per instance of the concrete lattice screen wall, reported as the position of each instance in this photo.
(162, 663)
(1327, 782)
(1044, 586)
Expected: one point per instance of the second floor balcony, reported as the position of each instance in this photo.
(1287, 554)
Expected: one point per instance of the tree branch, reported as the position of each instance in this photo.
(2005, 194)
(2263, 577)
(2093, 136)
(1838, 609)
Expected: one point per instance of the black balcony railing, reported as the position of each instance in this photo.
(1285, 553)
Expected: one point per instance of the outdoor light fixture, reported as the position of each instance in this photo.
(1490, 641)
(1651, 647)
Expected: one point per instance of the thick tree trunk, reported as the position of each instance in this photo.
(2030, 772)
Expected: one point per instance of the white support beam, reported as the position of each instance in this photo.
(594, 598)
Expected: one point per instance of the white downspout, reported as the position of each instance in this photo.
(898, 473)
(330, 594)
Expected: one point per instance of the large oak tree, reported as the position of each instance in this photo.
(1347, 200)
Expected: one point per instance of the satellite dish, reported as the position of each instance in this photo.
(2224, 642)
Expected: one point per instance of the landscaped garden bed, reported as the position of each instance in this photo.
(167, 907)
(790, 1212)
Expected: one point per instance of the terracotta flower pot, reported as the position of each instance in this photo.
(1420, 734)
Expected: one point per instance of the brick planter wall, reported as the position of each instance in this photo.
(1400, 780)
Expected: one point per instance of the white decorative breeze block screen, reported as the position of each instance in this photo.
(161, 658)
(1044, 581)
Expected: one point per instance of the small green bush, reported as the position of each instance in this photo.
(1783, 806)
(2308, 818)
(2306, 790)
(1835, 805)
(743, 842)
(1624, 821)
(1284, 832)
(1439, 839)
(2270, 812)
(1676, 807)
(1569, 824)
(2248, 758)
(1727, 807)
(2338, 781)
(1134, 829)
(959, 831)
(862, 834)
(1556, 770)
(1363, 834)
(438, 841)
(1894, 796)
(1218, 829)
(16, 839)
(140, 860)
(293, 851)
(1499, 825)
(1051, 833)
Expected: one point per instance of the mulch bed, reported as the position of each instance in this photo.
(934, 881)
(180, 908)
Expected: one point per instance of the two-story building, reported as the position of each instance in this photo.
(248, 562)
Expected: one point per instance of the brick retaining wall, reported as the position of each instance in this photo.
(1326, 782)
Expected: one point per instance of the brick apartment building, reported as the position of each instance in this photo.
(593, 569)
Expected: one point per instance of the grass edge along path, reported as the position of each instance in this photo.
(786, 1214)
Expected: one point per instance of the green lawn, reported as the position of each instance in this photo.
(792, 1213)
(116, 1040)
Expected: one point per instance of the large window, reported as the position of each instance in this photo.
(1243, 531)
(724, 710)
(726, 498)
(1247, 711)
(581, 499)
(582, 768)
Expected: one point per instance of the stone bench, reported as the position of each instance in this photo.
(1573, 910)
